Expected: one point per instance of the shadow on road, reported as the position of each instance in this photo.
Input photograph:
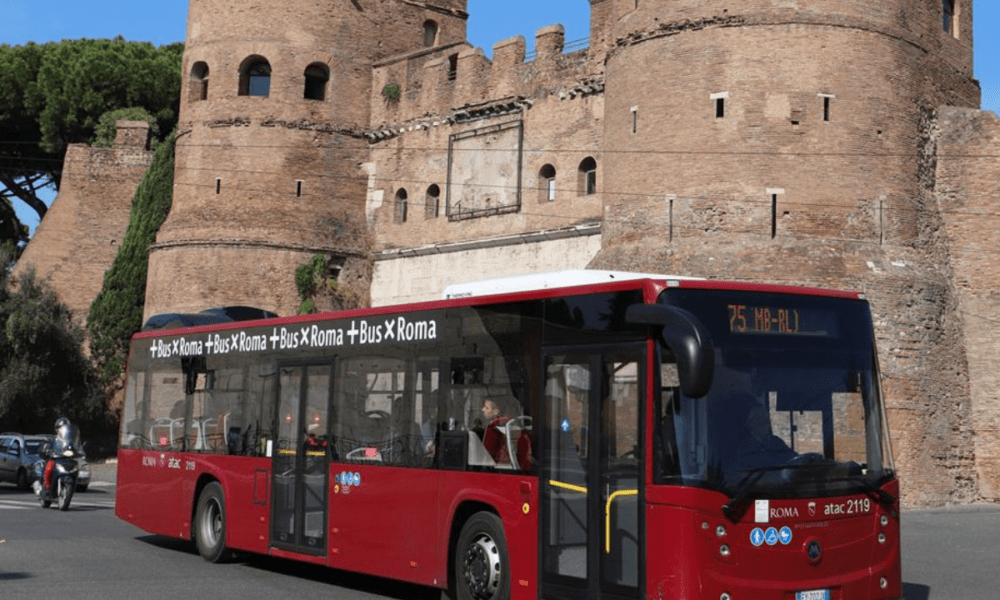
(379, 586)
(916, 591)
(364, 583)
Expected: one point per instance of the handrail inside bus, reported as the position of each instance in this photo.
(607, 515)
(568, 486)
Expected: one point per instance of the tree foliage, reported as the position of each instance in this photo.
(105, 132)
(44, 372)
(54, 94)
(319, 287)
(116, 313)
(13, 233)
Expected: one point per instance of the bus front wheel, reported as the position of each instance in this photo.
(210, 523)
(482, 566)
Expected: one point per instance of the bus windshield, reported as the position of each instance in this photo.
(794, 409)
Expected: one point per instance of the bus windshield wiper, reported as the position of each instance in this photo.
(743, 491)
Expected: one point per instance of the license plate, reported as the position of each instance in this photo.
(813, 595)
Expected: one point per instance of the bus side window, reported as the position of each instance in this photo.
(666, 439)
(668, 414)
(133, 413)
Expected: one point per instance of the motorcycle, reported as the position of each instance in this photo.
(64, 476)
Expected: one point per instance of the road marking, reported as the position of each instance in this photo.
(23, 504)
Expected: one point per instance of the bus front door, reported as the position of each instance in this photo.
(300, 459)
(591, 543)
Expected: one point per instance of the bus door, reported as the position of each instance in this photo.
(300, 459)
(591, 537)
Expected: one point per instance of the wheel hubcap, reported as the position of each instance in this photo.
(482, 567)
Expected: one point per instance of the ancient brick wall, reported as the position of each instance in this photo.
(967, 186)
(421, 274)
(467, 144)
(780, 142)
(80, 235)
(270, 141)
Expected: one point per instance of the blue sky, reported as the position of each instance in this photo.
(490, 21)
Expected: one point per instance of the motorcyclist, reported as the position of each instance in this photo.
(67, 438)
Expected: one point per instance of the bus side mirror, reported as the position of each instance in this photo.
(687, 338)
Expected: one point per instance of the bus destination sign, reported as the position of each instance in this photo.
(766, 319)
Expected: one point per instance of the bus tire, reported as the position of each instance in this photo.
(210, 524)
(482, 564)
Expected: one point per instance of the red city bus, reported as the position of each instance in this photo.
(646, 438)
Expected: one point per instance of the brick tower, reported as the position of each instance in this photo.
(275, 100)
(790, 143)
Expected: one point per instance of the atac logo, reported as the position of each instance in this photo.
(812, 509)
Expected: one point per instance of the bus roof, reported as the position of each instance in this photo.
(544, 281)
(534, 286)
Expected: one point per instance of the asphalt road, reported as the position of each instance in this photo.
(948, 554)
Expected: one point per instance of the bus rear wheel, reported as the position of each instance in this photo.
(482, 566)
(210, 523)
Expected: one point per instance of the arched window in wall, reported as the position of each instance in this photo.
(317, 75)
(587, 177)
(432, 201)
(399, 216)
(430, 33)
(198, 83)
(255, 77)
(547, 183)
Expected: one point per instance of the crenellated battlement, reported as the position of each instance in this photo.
(443, 83)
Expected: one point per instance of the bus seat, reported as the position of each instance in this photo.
(370, 435)
(479, 456)
(160, 434)
(517, 449)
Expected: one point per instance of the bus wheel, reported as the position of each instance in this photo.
(482, 567)
(210, 523)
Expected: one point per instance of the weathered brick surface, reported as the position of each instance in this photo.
(276, 179)
(967, 186)
(80, 235)
(811, 175)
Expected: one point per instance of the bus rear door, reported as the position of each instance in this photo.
(591, 543)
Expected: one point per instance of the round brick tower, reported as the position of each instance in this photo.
(791, 142)
(275, 100)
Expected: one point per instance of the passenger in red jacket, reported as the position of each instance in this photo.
(495, 437)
